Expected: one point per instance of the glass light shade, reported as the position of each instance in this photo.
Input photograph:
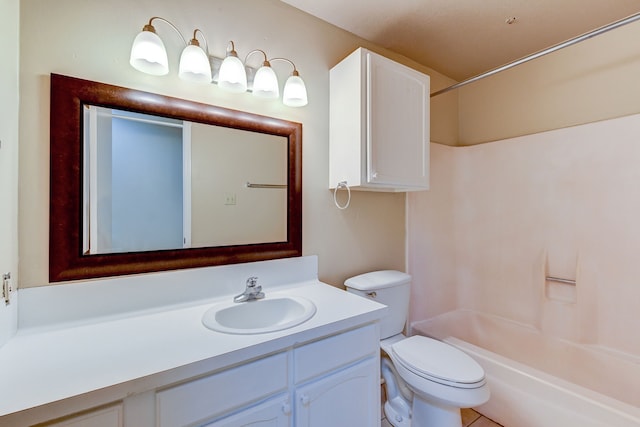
(265, 83)
(232, 75)
(148, 54)
(295, 92)
(194, 65)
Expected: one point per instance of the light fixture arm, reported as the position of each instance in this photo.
(150, 27)
(295, 70)
(194, 40)
(231, 49)
(265, 62)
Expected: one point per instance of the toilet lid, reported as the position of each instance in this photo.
(435, 359)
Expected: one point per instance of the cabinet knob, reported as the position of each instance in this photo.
(304, 399)
(286, 408)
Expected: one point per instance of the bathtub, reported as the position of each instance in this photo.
(539, 381)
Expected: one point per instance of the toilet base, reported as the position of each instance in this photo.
(395, 417)
(429, 413)
(424, 414)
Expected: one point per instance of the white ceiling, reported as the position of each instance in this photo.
(463, 38)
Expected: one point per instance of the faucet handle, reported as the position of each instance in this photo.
(252, 282)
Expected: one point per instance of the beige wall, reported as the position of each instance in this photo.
(431, 251)
(9, 31)
(92, 39)
(594, 80)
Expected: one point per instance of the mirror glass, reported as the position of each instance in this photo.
(142, 182)
(153, 183)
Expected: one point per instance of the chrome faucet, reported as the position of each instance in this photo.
(253, 291)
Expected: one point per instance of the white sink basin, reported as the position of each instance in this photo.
(260, 316)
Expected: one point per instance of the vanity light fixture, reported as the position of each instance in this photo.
(295, 91)
(149, 55)
(194, 61)
(265, 81)
(232, 75)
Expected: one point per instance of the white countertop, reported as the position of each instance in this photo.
(145, 349)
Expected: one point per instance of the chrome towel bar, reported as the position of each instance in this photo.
(250, 185)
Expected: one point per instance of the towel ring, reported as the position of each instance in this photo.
(342, 184)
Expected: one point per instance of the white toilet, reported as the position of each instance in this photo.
(427, 381)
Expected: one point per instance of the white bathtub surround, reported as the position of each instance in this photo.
(503, 216)
(87, 344)
(538, 381)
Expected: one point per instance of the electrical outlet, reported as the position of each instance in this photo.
(229, 198)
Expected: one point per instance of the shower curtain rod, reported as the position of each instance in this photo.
(543, 52)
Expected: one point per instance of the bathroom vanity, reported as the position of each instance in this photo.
(134, 352)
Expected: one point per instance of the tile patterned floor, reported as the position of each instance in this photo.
(475, 419)
(470, 418)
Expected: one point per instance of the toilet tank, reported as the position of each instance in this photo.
(388, 287)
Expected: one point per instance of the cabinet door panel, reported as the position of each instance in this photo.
(273, 413)
(347, 348)
(348, 398)
(222, 393)
(107, 417)
(398, 124)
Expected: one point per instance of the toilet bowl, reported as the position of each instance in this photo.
(442, 378)
(427, 381)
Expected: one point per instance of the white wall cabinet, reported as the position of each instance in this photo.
(379, 124)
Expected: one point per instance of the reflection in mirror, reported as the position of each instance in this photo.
(142, 182)
(225, 210)
(153, 183)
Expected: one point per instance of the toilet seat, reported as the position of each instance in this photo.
(438, 362)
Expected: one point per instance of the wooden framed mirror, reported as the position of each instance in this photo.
(78, 248)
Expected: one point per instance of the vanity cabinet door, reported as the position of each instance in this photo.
(226, 392)
(273, 413)
(106, 417)
(347, 398)
(330, 354)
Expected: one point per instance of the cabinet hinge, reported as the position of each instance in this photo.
(6, 288)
